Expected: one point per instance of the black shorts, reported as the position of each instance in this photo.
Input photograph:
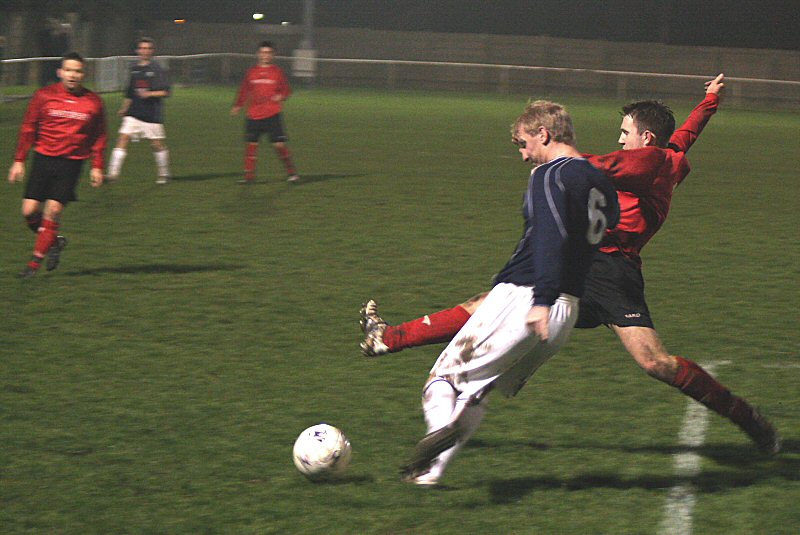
(272, 126)
(614, 294)
(53, 177)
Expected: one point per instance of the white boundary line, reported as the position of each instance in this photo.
(681, 498)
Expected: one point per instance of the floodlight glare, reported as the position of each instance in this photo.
(258, 16)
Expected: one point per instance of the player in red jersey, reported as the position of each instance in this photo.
(652, 163)
(263, 90)
(65, 124)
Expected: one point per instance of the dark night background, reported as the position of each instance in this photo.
(732, 23)
(726, 23)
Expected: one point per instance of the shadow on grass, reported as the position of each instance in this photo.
(154, 269)
(310, 179)
(344, 480)
(304, 179)
(203, 176)
(744, 467)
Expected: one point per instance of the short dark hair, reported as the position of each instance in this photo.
(652, 115)
(141, 40)
(266, 44)
(72, 56)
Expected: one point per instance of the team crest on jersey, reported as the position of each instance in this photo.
(67, 114)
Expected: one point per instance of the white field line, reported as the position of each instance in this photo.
(681, 498)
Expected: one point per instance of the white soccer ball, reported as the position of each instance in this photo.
(322, 451)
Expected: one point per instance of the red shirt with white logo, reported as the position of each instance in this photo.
(259, 88)
(64, 124)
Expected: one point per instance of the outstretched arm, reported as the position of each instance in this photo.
(685, 136)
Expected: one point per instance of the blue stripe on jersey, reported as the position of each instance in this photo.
(548, 178)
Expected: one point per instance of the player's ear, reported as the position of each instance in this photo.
(544, 134)
(649, 138)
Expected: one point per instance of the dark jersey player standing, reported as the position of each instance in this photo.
(529, 313)
(143, 112)
(651, 165)
(65, 125)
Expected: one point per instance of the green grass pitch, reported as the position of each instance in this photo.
(156, 381)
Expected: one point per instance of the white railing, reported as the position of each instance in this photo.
(20, 76)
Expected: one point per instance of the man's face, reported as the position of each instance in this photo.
(630, 137)
(530, 147)
(265, 55)
(145, 51)
(71, 74)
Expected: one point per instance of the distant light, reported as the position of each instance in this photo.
(285, 23)
(179, 21)
(258, 16)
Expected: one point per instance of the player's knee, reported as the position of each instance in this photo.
(122, 141)
(438, 390)
(656, 365)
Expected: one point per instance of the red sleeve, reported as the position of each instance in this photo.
(685, 136)
(241, 96)
(632, 170)
(29, 127)
(99, 145)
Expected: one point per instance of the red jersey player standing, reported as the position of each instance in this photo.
(645, 173)
(263, 90)
(65, 124)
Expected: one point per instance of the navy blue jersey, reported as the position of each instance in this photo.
(567, 208)
(150, 77)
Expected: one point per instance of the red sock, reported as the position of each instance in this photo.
(45, 238)
(432, 329)
(696, 383)
(250, 151)
(286, 158)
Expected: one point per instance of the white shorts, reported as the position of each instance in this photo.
(139, 129)
(496, 347)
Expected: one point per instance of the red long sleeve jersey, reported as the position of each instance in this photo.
(259, 87)
(645, 180)
(60, 123)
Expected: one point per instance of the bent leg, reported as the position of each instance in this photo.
(47, 232)
(32, 212)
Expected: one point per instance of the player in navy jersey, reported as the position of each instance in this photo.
(646, 172)
(143, 112)
(65, 125)
(263, 91)
(529, 313)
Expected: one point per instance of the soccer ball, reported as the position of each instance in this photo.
(322, 452)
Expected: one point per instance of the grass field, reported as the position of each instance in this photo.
(156, 381)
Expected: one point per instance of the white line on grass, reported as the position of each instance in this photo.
(681, 498)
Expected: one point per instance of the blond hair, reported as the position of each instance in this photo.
(550, 115)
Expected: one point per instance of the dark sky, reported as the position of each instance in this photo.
(730, 23)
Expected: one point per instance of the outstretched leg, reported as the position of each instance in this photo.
(692, 380)
(381, 338)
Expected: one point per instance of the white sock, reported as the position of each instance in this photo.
(115, 164)
(162, 162)
(470, 419)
